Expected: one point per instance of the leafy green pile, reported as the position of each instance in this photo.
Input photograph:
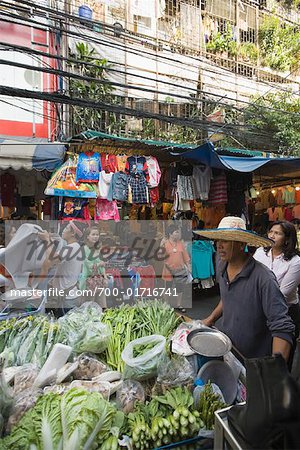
(28, 340)
(83, 330)
(77, 420)
(128, 323)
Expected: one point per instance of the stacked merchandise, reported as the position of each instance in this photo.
(104, 381)
(110, 179)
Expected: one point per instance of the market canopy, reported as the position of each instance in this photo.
(38, 154)
(268, 167)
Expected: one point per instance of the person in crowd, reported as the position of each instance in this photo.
(296, 223)
(253, 311)
(93, 268)
(62, 266)
(284, 261)
(176, 267)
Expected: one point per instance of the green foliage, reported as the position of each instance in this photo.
(281, 120)
(248, 51)
(279, 44)
(90, 65)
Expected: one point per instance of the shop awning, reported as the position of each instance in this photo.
(265, 166)
(30, 154)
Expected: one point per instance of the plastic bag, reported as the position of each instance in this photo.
(25, 378)
(88, 367)
(6, 401)
(83, 330)
(103, 387)
(130, 392)
(179, 338)
(175, 371)
(143, 366)
(23, 402)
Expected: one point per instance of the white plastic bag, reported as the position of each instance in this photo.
(144, 366)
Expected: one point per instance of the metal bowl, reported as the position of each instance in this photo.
(209, 342)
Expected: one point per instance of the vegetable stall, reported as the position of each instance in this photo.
(103, 381)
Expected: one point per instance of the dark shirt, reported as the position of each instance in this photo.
(254, 310)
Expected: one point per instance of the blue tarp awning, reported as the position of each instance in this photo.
(207, 155)
(30, 154)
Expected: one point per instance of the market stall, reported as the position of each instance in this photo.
(25, 168)
(105, 380)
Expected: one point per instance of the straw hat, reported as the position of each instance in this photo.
(234, 229)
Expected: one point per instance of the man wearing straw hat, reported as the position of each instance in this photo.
(253, 310)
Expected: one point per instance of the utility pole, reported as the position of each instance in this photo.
(64, 26)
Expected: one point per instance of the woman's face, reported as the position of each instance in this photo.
(93, 237)
(277, 235)
(175, 235)
(67, 233)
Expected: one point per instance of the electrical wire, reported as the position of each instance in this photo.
(153, 56)
(110, 69)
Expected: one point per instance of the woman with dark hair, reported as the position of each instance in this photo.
(93, 277)
(176, 265)
(284, 261)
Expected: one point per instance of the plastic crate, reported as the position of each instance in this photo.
(195, 443)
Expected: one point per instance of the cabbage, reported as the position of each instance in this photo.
(39, 428)
(86, 418)
(75, 421)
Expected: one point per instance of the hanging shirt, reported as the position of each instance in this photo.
(297, 195)
(279, 197)
(104, 183)
(74, 208)
(26, 185)
(218, 190)
(109, 162)
(8, 186)
(296, 212)
(136, 166)
(201, 181)
(154, 171)
(88, 168)
(288, 214)
(106, 210)
(121, 160)
(201, 253)
(289, 195)
(273, 214)
(118, 189)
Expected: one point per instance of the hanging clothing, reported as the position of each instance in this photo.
(279, 197)
(289, 195)
(154, 171)
(280, 212)
(218, 190)
(185, 187)
(26, 185)
(137, 165)
(201, 253)
(74, 209)
(121, 161)
(139, 189)
(201, 181)
(109, 162)
(88, 167)
(118, 189)
(297, 195)
(106, 210)
(104, 183)
(288, 214)
(154, 196)
(273, 214)
(296, 212)
(8, 187)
